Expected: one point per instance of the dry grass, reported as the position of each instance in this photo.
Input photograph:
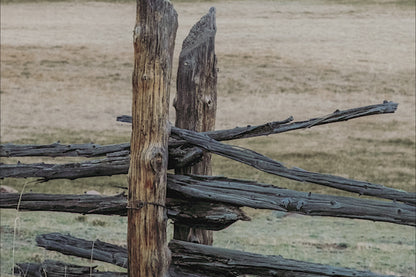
(66, 74)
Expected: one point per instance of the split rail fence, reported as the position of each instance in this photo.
(196, 202)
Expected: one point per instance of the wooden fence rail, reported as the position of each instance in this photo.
(286, 125)
(271, 166)
(120, 165)
(269, 128)
(207, 215)
(189, 198)
(51, 268)
(191, 259)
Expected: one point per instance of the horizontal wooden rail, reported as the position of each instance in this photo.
(112, 165)
(84, 169)
(203, 260)
(120, 165)
(189, 259)
(51, 268)
(189, 199)
(88, 150)
(94, 150)
(178, 156)
(271, 166)
(202, 214)
(286, 125)
(262, 196)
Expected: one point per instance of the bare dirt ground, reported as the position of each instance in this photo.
(66, 74)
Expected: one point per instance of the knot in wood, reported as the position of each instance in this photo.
(300, 205)
(157, 160)
(136, 33)
(207, 100)
(286, 202)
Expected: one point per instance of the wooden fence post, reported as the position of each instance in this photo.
(153, 39)
(196, 101)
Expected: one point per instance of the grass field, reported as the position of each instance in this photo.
(66, 74)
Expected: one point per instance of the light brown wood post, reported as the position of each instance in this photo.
(153, 38)
(196, 101)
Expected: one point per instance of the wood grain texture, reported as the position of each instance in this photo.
(64, 150)
(203, 260)
(196, 102)
(51, 268)
(212, 203)
(191, 259)
(178, 156)
(211, 216)
(153, 39)
(119, 165)
(271, 166)
(277, 127)
(261, 196)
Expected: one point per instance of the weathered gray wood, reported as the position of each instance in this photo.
(50, 268)
(109, 166)
(285, 125)
(93, 250)
(189, 198)
(199, 260)
(59, 269)
(203, 214)
(93, 168)
(61, 150)
(262, 196)
(120, 165)
(94, 150)
(271, 166)
(212, 261)
(71, 203)
(196, 102)
(178, 156)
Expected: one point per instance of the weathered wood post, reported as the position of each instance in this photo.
(153, 39)
(196, 101)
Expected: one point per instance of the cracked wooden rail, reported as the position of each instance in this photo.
(190, 259)
(94, 150)
(178, 156)
(120, 165)
(51, 268)
(202, 214)
(189, 199)
(277, 127)
(271, 166)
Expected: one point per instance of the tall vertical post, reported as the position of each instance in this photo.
(196, 101)
(153, 38)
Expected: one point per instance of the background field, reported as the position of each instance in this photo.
(66, 74)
